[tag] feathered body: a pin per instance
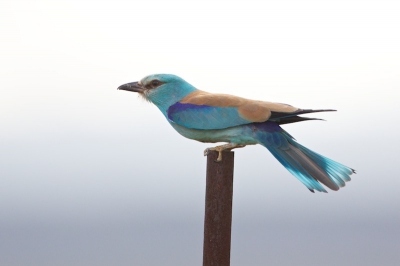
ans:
(209, 117)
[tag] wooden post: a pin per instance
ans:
(218, 210)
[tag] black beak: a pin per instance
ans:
(133, 86)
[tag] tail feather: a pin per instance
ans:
(311, 168)
(333, 166)
(297, 170)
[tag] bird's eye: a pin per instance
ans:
(155, 83)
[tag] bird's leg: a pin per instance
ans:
(222, 148)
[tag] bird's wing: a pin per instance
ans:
(202, 110)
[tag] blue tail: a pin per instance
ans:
(309, 167)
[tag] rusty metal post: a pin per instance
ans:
(218, 213)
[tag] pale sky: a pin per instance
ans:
(95, 176)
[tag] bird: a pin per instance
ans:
(211, 117)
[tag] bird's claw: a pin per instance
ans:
(218, 149)
(207, 151)
(222, 148)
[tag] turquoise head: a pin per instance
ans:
(161, 89)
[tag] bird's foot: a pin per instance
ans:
(222, 148)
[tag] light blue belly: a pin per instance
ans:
(240, 134)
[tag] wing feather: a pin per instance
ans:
(204, 116)
(204, 110)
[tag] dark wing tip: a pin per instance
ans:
(307, 111)
(286, 118)
(294, 119)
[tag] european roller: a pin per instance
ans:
(209, 117)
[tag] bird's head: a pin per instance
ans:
(161, 89)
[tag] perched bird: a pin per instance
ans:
(209, 117)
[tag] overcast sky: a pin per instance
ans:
(94, 176)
